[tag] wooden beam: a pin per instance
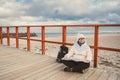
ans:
(1, 35)
(17, 40)
(8, 36)
(28, 38)
(63, 35)
(96, 32)
(43, 39)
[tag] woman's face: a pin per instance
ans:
(81, 40)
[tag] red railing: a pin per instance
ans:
(64, 29)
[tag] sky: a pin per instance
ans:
(34, 12)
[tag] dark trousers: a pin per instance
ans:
(76, 66)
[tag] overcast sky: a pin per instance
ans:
(24, 12)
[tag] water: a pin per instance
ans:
(53, 32)
(74, 34)
(71, 31)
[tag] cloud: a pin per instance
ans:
(76, 8)
(23, 12)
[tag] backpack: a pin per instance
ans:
(63, 50)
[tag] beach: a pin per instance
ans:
(107, 60)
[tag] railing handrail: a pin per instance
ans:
(70, 25)
(64, 29)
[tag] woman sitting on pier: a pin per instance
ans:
(79, 57)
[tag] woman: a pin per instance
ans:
(79, 57)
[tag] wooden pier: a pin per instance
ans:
(17, 64)
(43, 40)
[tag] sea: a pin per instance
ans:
(74, 34)
(85, 31)
(71, 31)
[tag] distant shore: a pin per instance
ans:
(19, 34)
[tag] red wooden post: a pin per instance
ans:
(0, 35)
(96, 45)
(43, 39)
(17, 40)
(28, 38)
(64, 35)
(8, 36)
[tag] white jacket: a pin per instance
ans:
(79, 53)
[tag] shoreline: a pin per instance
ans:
(70, 34)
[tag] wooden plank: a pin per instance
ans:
(95, 75)
(20, 60)
(20, 66)
(45, 72)
(104, 76)
(52, 73)
(23, 66)
(84, 76)
(118, 76)
(24, 70)
(112, 76)
(13, 66)
(39, 72)
(61, 75)
(28, 71)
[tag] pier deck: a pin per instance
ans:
(17, 64)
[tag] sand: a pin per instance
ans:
(107, 60)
